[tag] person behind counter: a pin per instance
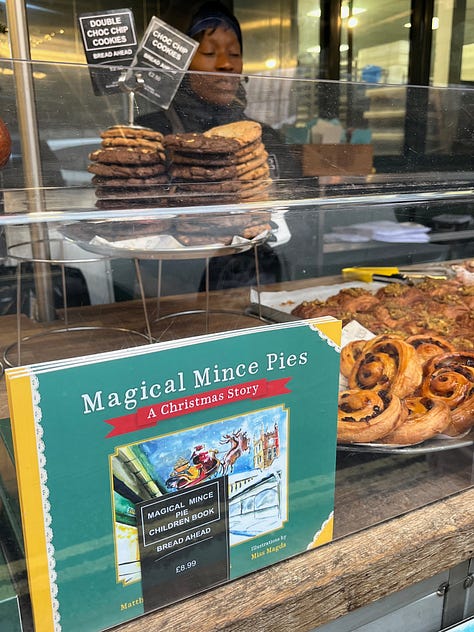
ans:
(205, 101)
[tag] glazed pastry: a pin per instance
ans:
(364, 416)
(438, 307)
(354, 299)
(424, 418)
(428, 346)
(387, 362)
(450, 378)
(400, 294)
(349, 355)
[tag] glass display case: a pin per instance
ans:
(106, 254)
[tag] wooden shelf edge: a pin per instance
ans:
(321, 585)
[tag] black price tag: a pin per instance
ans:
(184, 543)
(169, 52)
(109, 39)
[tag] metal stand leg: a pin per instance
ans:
(207, 294)
(206, 309)
(18, 311)
(62, 263)
(63, 284)
(257, 279)
(158, 290)
(142, 296)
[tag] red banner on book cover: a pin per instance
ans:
(149, 416)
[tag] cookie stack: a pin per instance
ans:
(129, 168)
(226, 164)
(215, 228)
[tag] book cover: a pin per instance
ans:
(10, 524)
(151, 474)
(10, 618)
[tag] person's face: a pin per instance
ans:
(219, 51)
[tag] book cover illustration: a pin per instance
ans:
(149, 475)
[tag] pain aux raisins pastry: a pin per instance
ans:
(423, 419)
(428, 346)
(350, 353)
(387, 362)
(366, 415)
(449, 378)
(439, 400)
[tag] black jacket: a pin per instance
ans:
(189, 113)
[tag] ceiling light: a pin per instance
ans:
(352, 22)
(355, 11)
(271, 63)
(434, 24)
(316, 13)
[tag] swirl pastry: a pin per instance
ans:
(428, 345)
(349, 355)
(353, 299)
(387, 362)
(424, 418)
(365, 416)
(450, 378)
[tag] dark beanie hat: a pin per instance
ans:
(211, 15)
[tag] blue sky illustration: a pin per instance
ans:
(163, 452)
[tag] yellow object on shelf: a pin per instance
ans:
(393, 274)
(366, 273)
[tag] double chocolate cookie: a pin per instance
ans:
(226, 164)
(206, 228)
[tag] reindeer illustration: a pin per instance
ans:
(239, 443)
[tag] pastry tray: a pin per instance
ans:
(277, 306)
(437, 444)
(137, 240)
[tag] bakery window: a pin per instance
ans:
(235, 225)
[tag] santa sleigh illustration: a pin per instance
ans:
(204, 464)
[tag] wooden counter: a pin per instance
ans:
(321, 585)
(399, 519)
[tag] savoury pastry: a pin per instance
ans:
(366, 415)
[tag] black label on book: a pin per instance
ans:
(109, 39)
(184, 543)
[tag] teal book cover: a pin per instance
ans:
(151, 474)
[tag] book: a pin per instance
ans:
(10, 524)
(10, 617)
(150, 474)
